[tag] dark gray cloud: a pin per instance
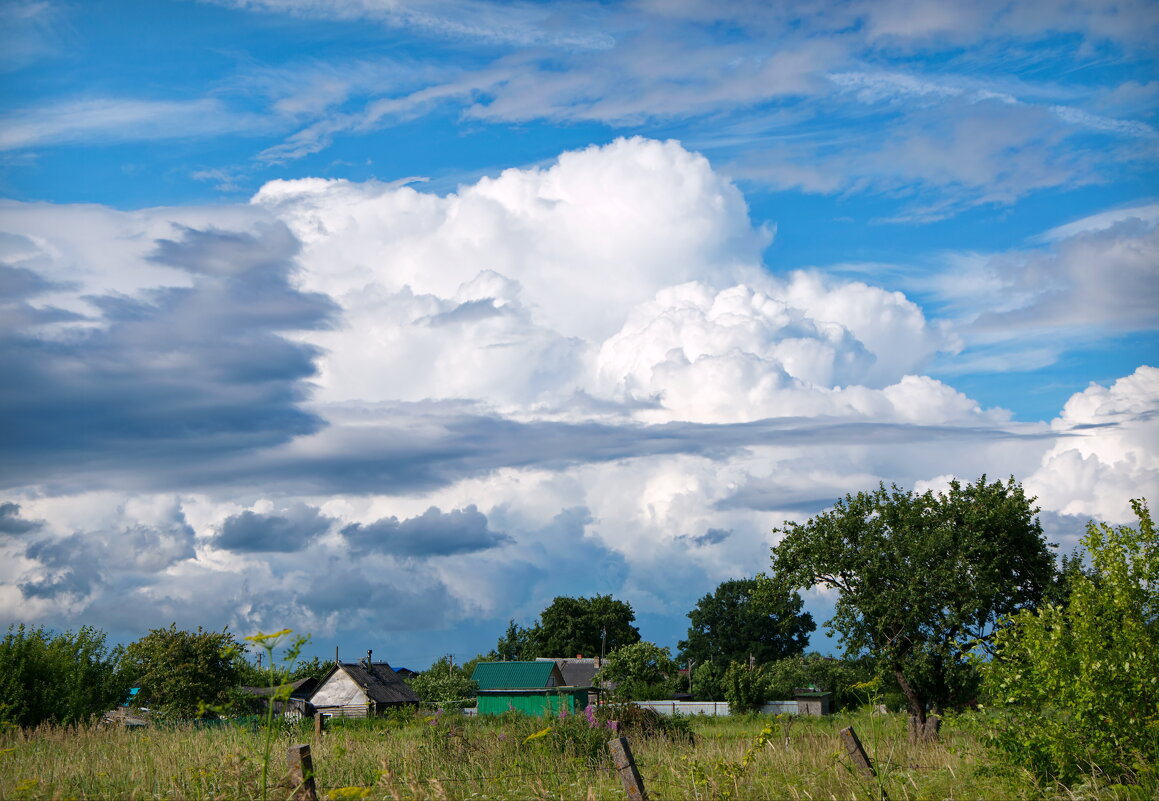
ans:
(433, 533)
(12, 523)
(68, 566)
(168, 377)
(292, 530)
(424, 446)
(712, 536)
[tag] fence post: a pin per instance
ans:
(626, 767)
(301, 774)
(856, 752)
(319, 725)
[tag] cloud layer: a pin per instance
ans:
(572, 378)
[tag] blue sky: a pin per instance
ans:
(390, 321)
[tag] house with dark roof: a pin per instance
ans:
(577, 672)
(361, 689)
(533, 688)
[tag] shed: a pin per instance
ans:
(361, 689)
(811, 701)
(534, 688)
(291, 699)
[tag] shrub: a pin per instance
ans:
(57, 678)
(1078, 684)
(746, 687)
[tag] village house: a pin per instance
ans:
(534, 688)
(361, 689)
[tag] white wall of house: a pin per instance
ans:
(338, 690)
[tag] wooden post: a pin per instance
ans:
(319, 725)
(626, 767)
(301, 778)
(856, 752)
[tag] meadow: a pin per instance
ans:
(417, 756)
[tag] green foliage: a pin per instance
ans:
(924, 579)
(746, 687)
(743, 618)
(269, 643)
(58, 678)
(708, 682)
(642, 671)
(1078, 685)
(184, 674)
(445, 685)
(845, 678)
(515, 645)
(571, 626)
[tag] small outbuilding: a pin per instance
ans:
(361, 689)
(811, 701)
(291, 700)
(533, 688)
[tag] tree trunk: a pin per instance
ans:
(922, 728)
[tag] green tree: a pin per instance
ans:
(516, 644)
(571, 626)
(1078, 684)
(746, 686)
(445, 685)
(184, 674)
(708, 681)
(642, 671)
(923, 579)
(68, 677)
(842, 677)
(743, 618)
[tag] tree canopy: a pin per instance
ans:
(744, 618)
(922, 579)
(641, 671)
(184, 674)
(67, 677)
(570, 626)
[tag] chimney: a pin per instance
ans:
(369, 659)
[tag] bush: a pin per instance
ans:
(845, 678)
(444, 686)
(1077, 686)
(630, 721)
(57, 678)
(746, 688)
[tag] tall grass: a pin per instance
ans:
(453, 757)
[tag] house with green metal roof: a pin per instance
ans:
(533, 688)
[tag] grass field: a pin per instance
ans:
(451, 757)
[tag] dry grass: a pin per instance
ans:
(453, 758)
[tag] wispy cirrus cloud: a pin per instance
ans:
(101, 120)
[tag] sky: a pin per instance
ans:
(389, 321)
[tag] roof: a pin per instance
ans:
(380, 683)
(517, 675)
(302, 688)
(576, 672)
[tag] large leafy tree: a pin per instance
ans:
(743, 618)
(1077, 682)
(67, 677)
(446, 685)
(922, 579)
(641, 671)
(571, 626)
(184, 674)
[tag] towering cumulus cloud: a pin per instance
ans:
(344, 398)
